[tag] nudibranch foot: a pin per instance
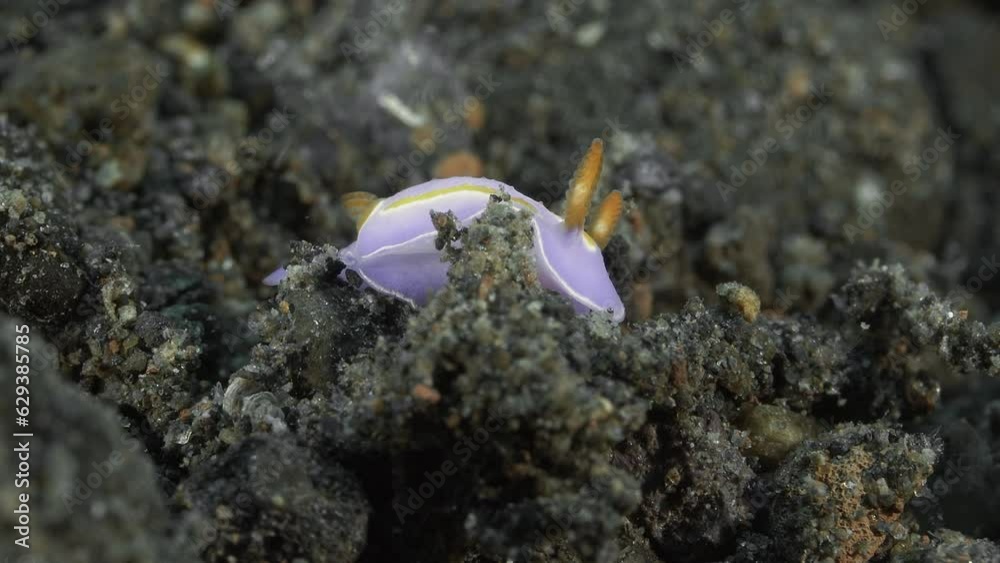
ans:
(275, 277)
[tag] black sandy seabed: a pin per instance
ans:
(809, 258)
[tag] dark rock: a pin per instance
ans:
(267, 498)
(93, 492)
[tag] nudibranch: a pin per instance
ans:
(395, 253)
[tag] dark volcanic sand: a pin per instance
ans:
(808, 370)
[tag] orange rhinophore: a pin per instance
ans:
(581, 188)
(608, 215)
(359, 205)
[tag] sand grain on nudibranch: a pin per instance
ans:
(395, 253)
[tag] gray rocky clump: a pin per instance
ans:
(807, 256)
(93, 491)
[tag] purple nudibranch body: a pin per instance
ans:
(395, 252)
